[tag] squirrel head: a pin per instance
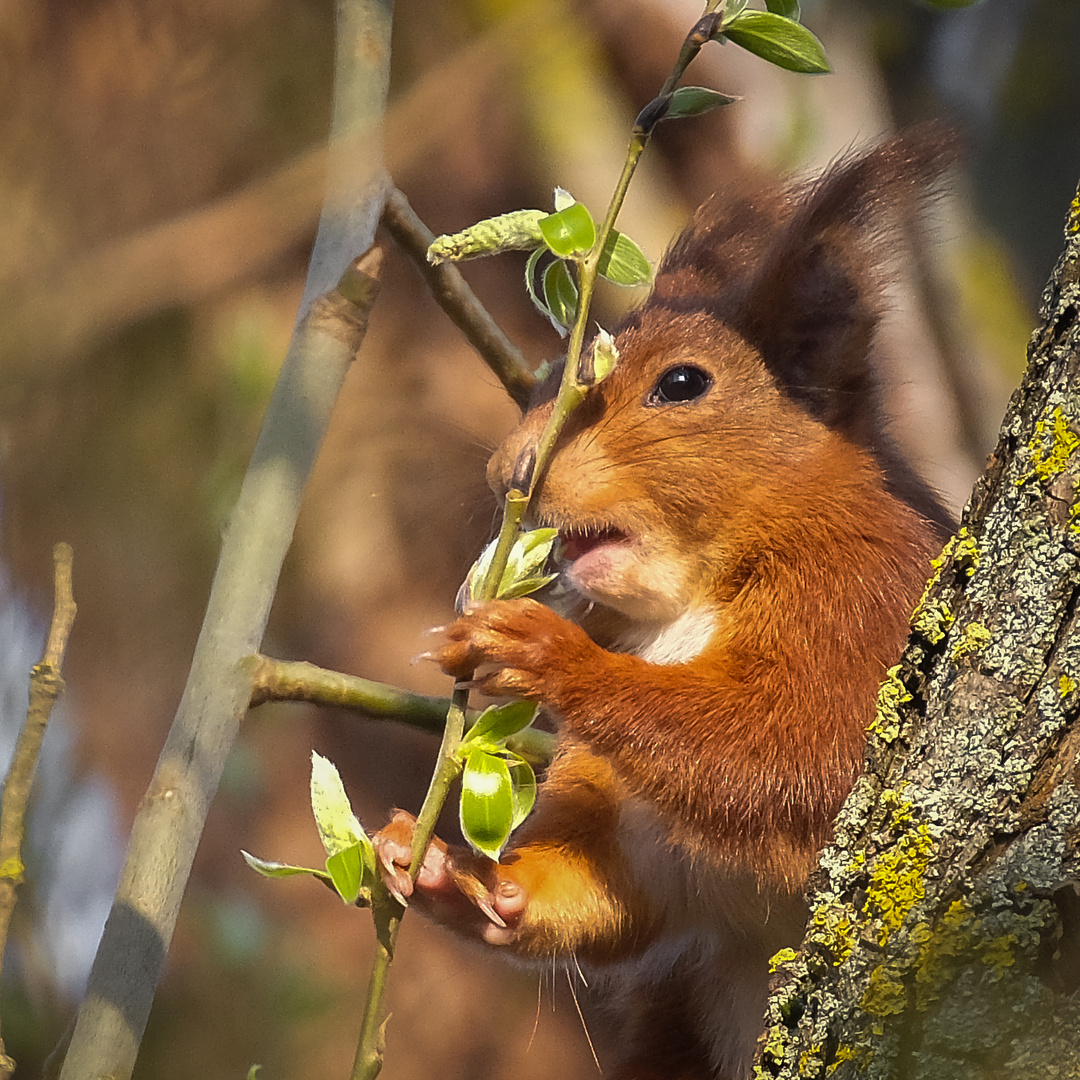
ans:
(742, 416)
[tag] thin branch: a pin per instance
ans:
(166, 831)
(571, 394)
(293, 680)
(46, 685)
(297, 680)
(453, 295)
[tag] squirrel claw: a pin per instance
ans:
(395, 892)
(486, 907)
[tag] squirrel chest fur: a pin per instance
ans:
(747, 547)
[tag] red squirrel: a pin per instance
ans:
(748, 547)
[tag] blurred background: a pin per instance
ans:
(160, 178)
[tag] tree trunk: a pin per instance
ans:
(944, 937)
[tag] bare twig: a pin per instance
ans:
(46, 685)
(453, 295)
(167, 829)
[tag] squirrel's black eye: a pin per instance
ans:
(682, 383)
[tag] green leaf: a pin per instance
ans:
(569, 232)
(695, 100)
(530, 282)
(563, 199)
(487, 802)
(605, 356)
(527, 586)
(528, 554)
(516, 231)
(523, 781)
(334, 818)
(281, 870)
(253, 1072)
(346, 870)
(561, 295)
(734, 9)
(532, 548)
(788, 8)
(623, 262)
(781, 41)
(498, 722)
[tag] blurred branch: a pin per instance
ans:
(178, 261)
(212, 247)
(453, 295)
(46, 685)
(170, 820)
(292, 680)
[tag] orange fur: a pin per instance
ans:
(753, 551)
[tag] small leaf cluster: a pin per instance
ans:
(564, 238)
(350, 857)
(498, 786)
(523, 573)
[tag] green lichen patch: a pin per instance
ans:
(965, 552)
(885, 994)
(832, 931)
(975, 636)
(777, 960)
(961, 552)
(896, 882)
(860, 1056)
(811, 1061)
(932, 620)
(1051, 447)
(1074, 517)
(942, 949)
(892, 694)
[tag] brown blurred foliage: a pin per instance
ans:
(160, 180)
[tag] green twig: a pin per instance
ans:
(46, 685)
(573, 386)
(292, 680)
(387, 913)
(527, 473)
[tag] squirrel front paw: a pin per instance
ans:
(528, 645)
(463, 891)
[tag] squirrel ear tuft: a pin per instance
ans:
(815, 297)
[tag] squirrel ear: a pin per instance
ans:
(814, 300)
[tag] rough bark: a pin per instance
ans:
(944, 938)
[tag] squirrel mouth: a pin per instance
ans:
(575, 544)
